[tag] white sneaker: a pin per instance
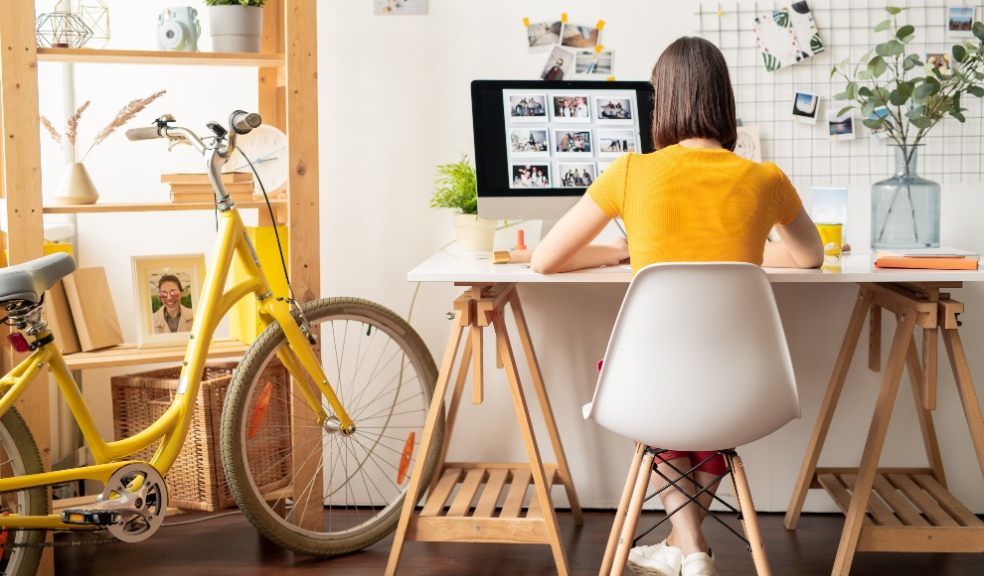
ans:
(655, 560)
(698, 564)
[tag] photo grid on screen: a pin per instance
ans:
(566, 138)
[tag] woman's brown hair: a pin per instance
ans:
(693, 95)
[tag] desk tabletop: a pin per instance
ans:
(446, 266)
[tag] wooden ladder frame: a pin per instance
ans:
(488, 505)
(898, 509)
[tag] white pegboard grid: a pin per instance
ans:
(952, 151)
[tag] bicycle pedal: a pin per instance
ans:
(86, 517)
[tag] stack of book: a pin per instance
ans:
(931, 258)
(197, 188)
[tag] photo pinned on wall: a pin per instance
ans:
(805, 107)
(527, 107)
(874, 122)
(570, 108)
(748, 145)
(399, 7)
(841, 127)
(960, 20)
(787, 36)
(614, 110)
(559, 65)
(612, 143)
(578, 36)
(572, 142)
(575, 175)
(542, 35)
(529, 176)
(531, 142)
(939, 61)
(166, 291)
(591, 63)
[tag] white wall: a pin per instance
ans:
(394, 102)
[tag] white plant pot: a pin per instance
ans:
(474, 234)
(76, 186)
(235, 28)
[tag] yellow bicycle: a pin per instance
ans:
(318, 462)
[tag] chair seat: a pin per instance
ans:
(28, 281)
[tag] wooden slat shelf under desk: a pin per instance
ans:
(129, 355)
(101, 56)
(152, 207)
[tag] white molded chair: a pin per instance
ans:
(697, 361)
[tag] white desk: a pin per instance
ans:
(913, 511)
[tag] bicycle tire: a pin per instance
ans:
(18, 457)
(362, 459)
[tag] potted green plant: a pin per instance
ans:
(236, 25)
(902, 98)
(456, 187)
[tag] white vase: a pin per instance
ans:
(235, 28)
(474, 234)
(76, 186)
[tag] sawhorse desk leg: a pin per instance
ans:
(474, 513)
(912, 510)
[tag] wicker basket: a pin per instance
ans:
(196, 480)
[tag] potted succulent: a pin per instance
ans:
(901, 98)
(455, 187)
(236, 25)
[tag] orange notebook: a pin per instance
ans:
(928, 262)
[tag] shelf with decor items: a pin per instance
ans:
(287, 96)
(102, 56)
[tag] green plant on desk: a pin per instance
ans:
(900, 95)
(456, 187)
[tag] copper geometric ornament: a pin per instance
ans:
(62, 30)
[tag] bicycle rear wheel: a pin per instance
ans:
(353, 493)
(21, 550)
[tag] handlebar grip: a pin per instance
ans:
(148, 133)
(243, 122)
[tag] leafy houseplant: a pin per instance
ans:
(456, 187)
(904, 98)
(235, 25)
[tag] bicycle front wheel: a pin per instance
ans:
(318, 491)
(19, 457)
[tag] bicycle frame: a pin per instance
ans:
(172, 426)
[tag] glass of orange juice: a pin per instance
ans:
(831, 234)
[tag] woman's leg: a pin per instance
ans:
(686, 533)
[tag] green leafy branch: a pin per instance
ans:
(456, 187)
(885, 78)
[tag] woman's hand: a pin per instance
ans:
(621, 246)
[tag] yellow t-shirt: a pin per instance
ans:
(684, 204)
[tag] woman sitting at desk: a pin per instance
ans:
(692, 199)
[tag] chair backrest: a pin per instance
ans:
(697, 359)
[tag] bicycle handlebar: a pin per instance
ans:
(148, 133)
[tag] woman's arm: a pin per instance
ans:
(567, 247)
(799, 246)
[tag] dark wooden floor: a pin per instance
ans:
(230, 546)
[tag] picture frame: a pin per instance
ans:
(960, 20)
(806, 107)
(182, 276)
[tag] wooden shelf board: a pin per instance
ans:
(100, 56)
(150, 207)
(129, 355)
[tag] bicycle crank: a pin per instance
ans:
(131, 507)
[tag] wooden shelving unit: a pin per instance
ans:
(129, 355)
(153, 207)
(91, 56)
(287, 95)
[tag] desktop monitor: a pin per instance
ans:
(539, 145)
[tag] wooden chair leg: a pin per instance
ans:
(749, 519)
(623, 505)
(628, 528)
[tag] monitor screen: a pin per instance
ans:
(552, 139)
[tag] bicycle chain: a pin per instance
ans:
(73, 542)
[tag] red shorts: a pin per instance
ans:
(715, 465)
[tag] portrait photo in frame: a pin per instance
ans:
(166, 291)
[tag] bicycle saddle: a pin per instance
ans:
(29, 280)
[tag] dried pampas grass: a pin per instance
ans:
(51, 129)
(126, 114)
(73, 124)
